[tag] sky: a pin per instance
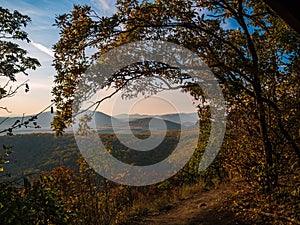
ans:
(43, 36)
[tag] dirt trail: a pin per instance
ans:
(202, 209)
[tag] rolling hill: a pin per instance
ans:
(155, 124)
(33, 153)
(104, 122)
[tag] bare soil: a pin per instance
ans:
(204, 208)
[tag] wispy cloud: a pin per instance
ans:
(42, 48)
(105, 7)
(104, 4)
(44, 35)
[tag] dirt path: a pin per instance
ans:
(202, 209)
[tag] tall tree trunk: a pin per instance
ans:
(271, 174)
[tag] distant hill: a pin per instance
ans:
(104, 122)
(156, 124)
(184, 117)
(33, 153)
(43, 122)
(131, 116)
(35, 150)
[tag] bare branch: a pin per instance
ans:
(25, 123)
(12, 91)
(6, 109)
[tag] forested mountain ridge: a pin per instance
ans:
(103, 122)
(37, 152)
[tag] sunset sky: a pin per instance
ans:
(43, 35)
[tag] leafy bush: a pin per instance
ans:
(32, 204)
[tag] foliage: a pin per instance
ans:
(14, 59)
(80, 196)
(33, 204)
(255, 57)
(49, 152)
(86, 197)
(6, 152)
(34, 153)
(251, 51)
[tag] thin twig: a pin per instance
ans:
(23, 123)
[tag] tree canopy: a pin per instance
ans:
(253, 53)
(14, 59)
(254, 56)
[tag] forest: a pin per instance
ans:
(252, 54)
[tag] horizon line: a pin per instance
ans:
(141, 114)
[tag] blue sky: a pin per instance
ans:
(43, 35)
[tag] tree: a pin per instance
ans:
(251, 51)
(13, 59)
